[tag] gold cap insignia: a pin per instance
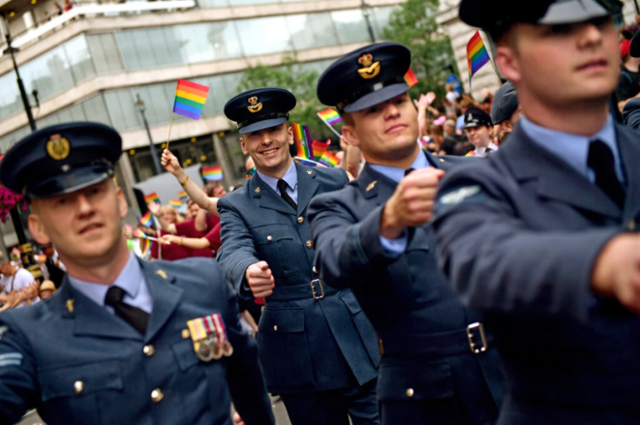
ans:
(372, 185)
(369, 68)
(254, 106)
(58, 147)
(162, 274)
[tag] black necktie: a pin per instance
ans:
(488, 150)
(282, 186)
(130, 314)
(601, 161)
(408, 171)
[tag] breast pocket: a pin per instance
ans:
(275, 244)
(284, 351)
(75, 392)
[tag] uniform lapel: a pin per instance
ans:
(555, 179)
(166, 297)
(630, 153)
(374, 186)
(90, 319)
(267, 197)
(307, 186)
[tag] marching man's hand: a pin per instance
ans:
(260, 279)
(237, 420)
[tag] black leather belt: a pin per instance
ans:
(315, 289)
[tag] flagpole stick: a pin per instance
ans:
(330, 128)
(496, 71)
(170, 125)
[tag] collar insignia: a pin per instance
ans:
(257, 190)
(254, 105)
(371, 185)
(69, 305)
(58, 147)
(162, 274)
(370, 69)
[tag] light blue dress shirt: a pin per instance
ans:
(395, 247)
(291, 177)
(131, 280)
(574, 149)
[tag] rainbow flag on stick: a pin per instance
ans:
(212, 173)
(190, 99)
(477, 55)
(152, 197)
(146, 220)
(329, 159)
(145, 244)
(319, 148)
(183, 196)
(410, 78)
(303, 140)
(175, 203)
(330, 117)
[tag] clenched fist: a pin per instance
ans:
(260, 279)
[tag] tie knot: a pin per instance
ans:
(599, 154)
(114, 295)
(408, 171)
(282, 186)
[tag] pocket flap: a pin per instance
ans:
(432, 380)
(185, 354)
(279, 320)
(79, 380)
(351, 302)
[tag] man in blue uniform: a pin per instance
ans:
(317, 348)
(437, 366)
(123, 340)
(542, 235)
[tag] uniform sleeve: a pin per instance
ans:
(345, 248)
(624, 89)
(18, 385)
(244, 373)
(499, 264)
(237, 251)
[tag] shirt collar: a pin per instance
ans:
(572, 148)
(291, 177)
(129, 280)
(396, 174)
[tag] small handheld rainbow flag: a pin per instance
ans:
(138, 233)
(303, 140)
(175, 203)
(146, 219)
(330, 116)
(152, 197)
(319, 148)
(329, 159)
(308, 162)
(477, 55)
(145, 244)
(410, 78)
(212, 173)
(190, 99)
(183, 196)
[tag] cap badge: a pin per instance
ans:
(470, 118)
(58, 147)
(254, 106)
(369, 68)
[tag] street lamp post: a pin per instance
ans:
(154, 154)
(366, 12)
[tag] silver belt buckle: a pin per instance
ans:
(475, 348)
(313, 289)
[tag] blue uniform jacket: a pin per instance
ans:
(79, 364)
(518, 235)
(305, 344)
(407, 299)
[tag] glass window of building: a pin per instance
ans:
(49, 74)
(105, 53)
(245, 2)
(96, 110)
(209, 42)
(79, 59)
(380, 19)
(122, 111)
(157, 105)
(10, 101)
(213, 3)
(350, 25)
(313, 30)
(264, 35)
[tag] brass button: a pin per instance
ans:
(269, 238)
(300, 220)
(631, 226)
(275, 327)
(315, 270)
(148, 350)
(185, 334)
(410, 392)
(78, 386)
(309, 244)
(157, 395)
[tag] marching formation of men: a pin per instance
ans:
(502, 289)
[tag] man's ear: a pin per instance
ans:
(36, 227)
(508, 63)
(350, 135)
(290, 132)
(123, 208)
(507, 126)
(244, 149)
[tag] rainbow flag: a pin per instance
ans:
(175, 203)
(329, 159)
(190, 99)
(183, 196)
(146, 220)
(319, 148)
(410, 78)
(152, 197)
(138, 233)
(330, 116)
(307, 162)
(145, 244)
(303, 140)
(212, 173)
(477, 55)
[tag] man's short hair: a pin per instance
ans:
(210, 188)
